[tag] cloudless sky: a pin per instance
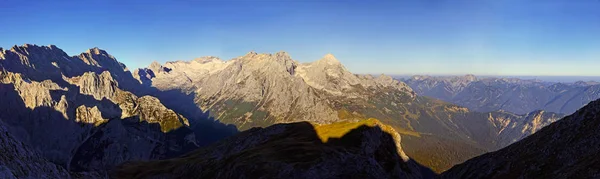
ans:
(483, 37)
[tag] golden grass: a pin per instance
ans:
(344, 114)
(339, 129)
(408, 132)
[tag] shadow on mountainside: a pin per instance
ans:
(207, 129)
(79, 146)
(292, 150)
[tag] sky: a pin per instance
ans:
(435, 37)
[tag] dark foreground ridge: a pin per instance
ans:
(292, 150)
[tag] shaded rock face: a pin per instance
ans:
(286, 151)
(75, 112)
(509, 94)
(19, 161)
(128, 139)
(567, 148)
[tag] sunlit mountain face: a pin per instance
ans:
(299, 89)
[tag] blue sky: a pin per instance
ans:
(482, 37)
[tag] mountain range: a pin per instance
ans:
(508, 94)
(258, 90)
(82, 116)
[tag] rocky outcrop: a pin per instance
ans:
(294, 150)
(508, 94)
(567, 148)
(152, 111)
(515, 128)
(89, 115)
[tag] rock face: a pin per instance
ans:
(294, 150)
(567, 148)
(76, 112)
(509, 94)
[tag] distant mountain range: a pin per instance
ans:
(508, 94)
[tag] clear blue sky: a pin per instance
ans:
(484, 37)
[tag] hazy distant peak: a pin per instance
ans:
(470, 77)
(586, 83)
(251, 53)
(420, 77)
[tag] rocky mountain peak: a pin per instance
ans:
(96, 51)
(100, 58)
(33, 49)
(155, 66)
(330, 60)
(251, 53)
(283, 54)
(208, 59)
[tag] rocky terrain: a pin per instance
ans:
(365, 149)
(88, 113)
(19, 161)
(258, 90)
(508, 94)
(72, 111)
(565, 149)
